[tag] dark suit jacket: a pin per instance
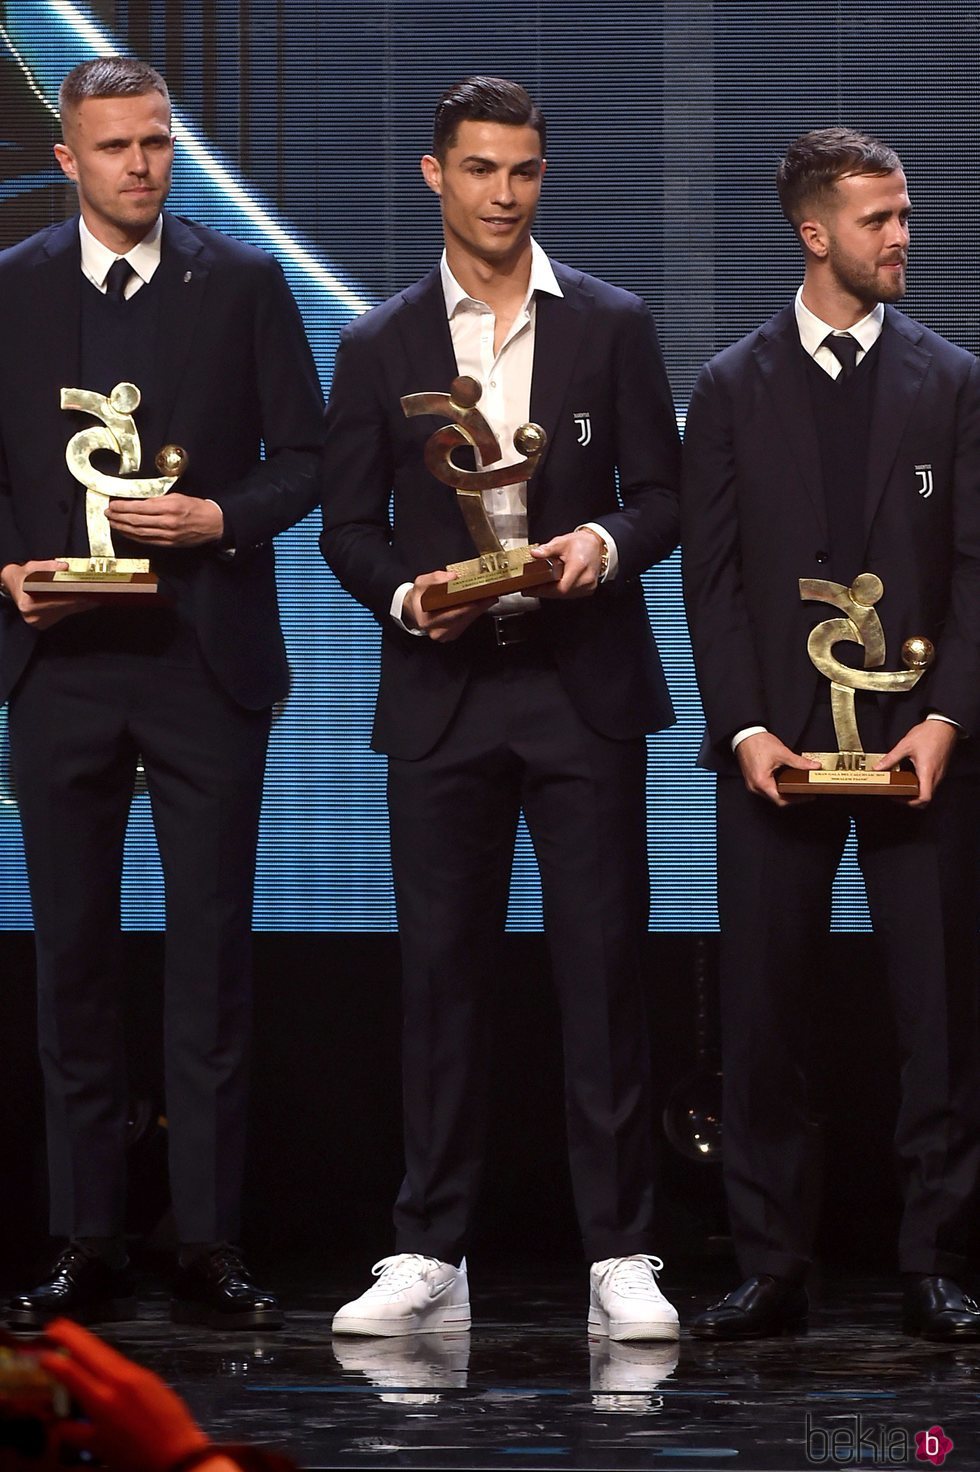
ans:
(595, 352)
(238, 373)
(755, 521)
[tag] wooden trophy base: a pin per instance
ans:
(121, 584)
(845, 774)
(492, 576)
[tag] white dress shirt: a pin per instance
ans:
(144, 258)
(813, 332)
(505, 376)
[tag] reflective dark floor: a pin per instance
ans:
(526, 1388)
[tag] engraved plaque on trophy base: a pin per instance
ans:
(105, 578)
(491, 576)
(846, 773)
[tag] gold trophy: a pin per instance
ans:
(497, 570)
(103, 573)
(850, 768)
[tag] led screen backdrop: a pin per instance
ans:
(300, 124)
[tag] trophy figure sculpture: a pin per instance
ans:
(850, 768)
(497, 570)
(102, 572)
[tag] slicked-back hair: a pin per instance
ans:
(108, 76)
(484, 100)
(815, 161)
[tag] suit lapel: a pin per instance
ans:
(559, 327)
(183, 274)
(427, 342)
(902, 365)
(52, 305)
(781, 362)
(50, 313)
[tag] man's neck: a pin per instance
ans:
(501, 284)
(832, 303)
(119, 241)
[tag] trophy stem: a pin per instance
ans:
(478, 523)
(845, 721)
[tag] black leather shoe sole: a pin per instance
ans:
(748, 1331)
(106, 1311)
(185, 1311)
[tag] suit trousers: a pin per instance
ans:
(516, 743)
(79, 720)
(775, 873)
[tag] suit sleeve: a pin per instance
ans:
(12, 547)
(955, 684)
(283, 487)
(357, 475)
(647, 450)
(725, 658)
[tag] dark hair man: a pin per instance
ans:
(840, 438)
(485, 709)
(207, 330)
(485, 100)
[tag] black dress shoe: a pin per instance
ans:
(83, 1287)
(216, 1290)
(937, 1308)
(760, 1307)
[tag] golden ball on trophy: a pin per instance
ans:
(530, 439)
(917, 653)
(171, 460)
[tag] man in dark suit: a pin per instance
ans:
(841, 438)
(208, 331)
(488, 708)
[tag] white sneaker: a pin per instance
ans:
(625, 1302)
(413, 1295)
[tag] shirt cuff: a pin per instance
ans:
(947, 720)
(612, 562)
(746, 731)
(397, 604)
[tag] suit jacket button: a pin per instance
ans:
(823, 556)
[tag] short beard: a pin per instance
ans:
(864, 283)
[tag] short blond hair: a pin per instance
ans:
(108, 76)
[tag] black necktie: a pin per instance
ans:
(117, 278)
(845, 349)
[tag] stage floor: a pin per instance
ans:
(526, 1388)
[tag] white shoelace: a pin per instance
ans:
(401, 1270)
(633, 1276)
